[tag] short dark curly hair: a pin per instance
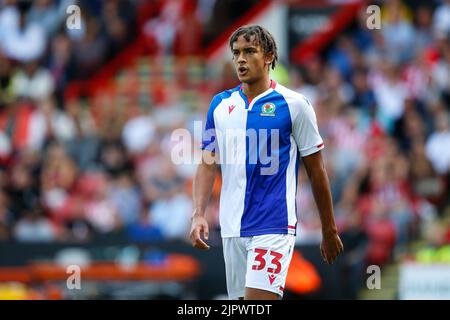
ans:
(262, 37)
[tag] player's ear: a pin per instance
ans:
(268, 58)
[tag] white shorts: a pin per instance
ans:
(260, 262)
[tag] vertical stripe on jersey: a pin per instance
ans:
(233, 174)
(265, 207)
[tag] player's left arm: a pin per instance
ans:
(331, 245)
(306, 134)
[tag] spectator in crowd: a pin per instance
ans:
(441, 20)
(21, 41)
(436, 153)
(398, 32)
(34, 227)
(390, 93)
(440, 74)
(171, 214)
(58, 177)
(100, 210)
(125, 196)
(84, 144)
(90, 50)
(33, 82)
(47, 123)
(118, 19)
(142, 230)
(424, 27)
(50, 14)
(61, 64)
(7, 92)
(6, 217)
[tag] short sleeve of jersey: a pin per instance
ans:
(305, 129)
(209, 139)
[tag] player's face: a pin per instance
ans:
(249, 60)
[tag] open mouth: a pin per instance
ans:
(242, 71)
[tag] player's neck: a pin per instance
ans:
(251, 90)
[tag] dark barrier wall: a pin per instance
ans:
(210, 283)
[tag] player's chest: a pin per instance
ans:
(265, 113)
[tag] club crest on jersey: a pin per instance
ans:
(268, 109)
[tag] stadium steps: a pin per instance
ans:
(147, 75)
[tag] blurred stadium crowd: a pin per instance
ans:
(382, 99)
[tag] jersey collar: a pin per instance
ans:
(250, 102)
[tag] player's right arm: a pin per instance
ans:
(202, 188)
(204, 179)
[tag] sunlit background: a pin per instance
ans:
(88, 106)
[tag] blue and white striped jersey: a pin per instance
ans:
(259, 143)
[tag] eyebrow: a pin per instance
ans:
(245, 48)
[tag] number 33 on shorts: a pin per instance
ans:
(260, 258)
(267, 268)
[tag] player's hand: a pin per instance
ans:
(199, 225)
(331, 246)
